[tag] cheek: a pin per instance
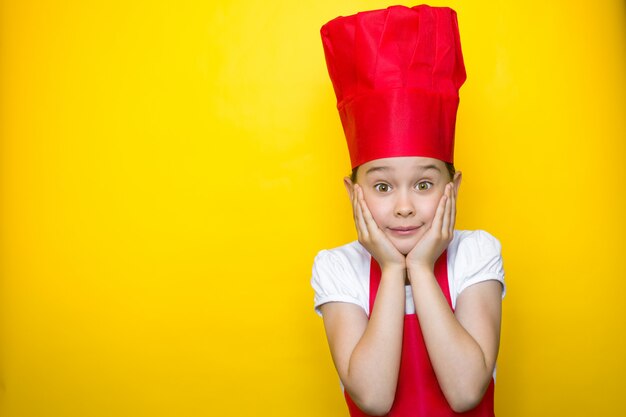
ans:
(377, 208)
(430, 206)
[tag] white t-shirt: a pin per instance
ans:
(343, 273)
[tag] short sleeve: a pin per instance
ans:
(479, 258)
(334, 279)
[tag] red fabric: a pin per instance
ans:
(396, 73)
(418, 393)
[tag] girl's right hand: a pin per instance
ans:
(371, 236)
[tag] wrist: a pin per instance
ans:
(420, 270)
(393, 268)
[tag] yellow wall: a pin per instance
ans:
(169, 170)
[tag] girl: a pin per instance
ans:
(412, 309)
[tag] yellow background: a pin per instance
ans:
(170, 169)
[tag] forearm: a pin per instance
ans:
(373, 368)
(457, 358)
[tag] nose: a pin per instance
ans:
(404, 205)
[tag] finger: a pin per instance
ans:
(453, 214)
(367, 218)
(353, 201)
(355, 212)
(438, 219)
(360, 221)
(354, 204)
(445, 226)
(367, 214)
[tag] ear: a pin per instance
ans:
(347, 182)
(458, 176)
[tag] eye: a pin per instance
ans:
(424, 185)
(382, 187)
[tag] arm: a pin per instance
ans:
(462, 346)
(366, 352)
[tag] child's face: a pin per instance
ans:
(402, 193)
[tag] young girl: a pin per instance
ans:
(412, 309)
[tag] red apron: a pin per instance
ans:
(418, 393)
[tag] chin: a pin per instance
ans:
(404, 247)
(406, 251)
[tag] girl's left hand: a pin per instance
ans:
(438, 236)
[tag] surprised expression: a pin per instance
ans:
(403, 193)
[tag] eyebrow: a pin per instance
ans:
(375, 169)
(427, 167)
(387, 168)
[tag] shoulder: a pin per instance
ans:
(349, 254)
(342, 274)
(474, 256)
(474, 244)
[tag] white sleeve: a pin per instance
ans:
(479, 258)
(334, 279)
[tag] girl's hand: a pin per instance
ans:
(438, 236)
(371, 236)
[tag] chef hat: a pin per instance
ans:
(396, 73)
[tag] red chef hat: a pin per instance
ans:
(396, 74)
